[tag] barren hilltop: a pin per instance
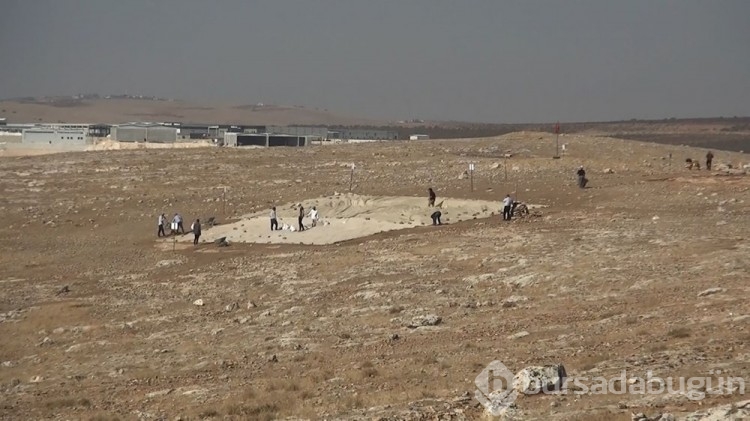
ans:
(642, 272)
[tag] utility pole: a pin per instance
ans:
(557, 141)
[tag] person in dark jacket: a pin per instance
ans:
(436, 217)
(196, 231)
(582, 177)
(301, 217)
(709, 158)
(431, 201)
(274, 221)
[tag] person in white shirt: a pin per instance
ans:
(177, 224)
(314, 216)
(507, 206)
(162, 221)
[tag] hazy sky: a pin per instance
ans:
(476, 60)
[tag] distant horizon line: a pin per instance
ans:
(93, 96)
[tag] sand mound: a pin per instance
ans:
(111, 145)
(345, 217)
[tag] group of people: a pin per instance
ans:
(313, 214)
(509, 206)
(177, 227)
(690, 164)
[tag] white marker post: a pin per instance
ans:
(471, 175)
(351, 178)
(224, 202)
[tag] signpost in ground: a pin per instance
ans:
(557, 141)
(471, 175)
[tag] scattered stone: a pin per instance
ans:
(36, 379)
(426, 320)
(198, 302)
(63, 290)
(513, 300)
(273, 359)
(251, 304)
(46, 341)
(519, 335)
(158, 393)
(711, 291)
(658, 417)
(231, 307)
(168, 262)
(537, 379)
(608, 171)
(735, 411)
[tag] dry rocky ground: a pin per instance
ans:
(645, 270)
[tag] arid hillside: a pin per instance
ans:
(645, 271)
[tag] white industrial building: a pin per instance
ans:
(419, 137)
(56, 135)
(144, 132)
(264, 140)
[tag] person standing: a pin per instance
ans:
(431, 201)
(709, 158)
(582, 177)
(274, 221)
(196, 231)
(314, 216)
(180, 227)
(162, 221)
(507, 205)
(301, 217)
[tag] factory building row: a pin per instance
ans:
(230, 135)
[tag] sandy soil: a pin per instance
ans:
(111, 145)
(18, 150)
(646, 270)
(348, 216)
